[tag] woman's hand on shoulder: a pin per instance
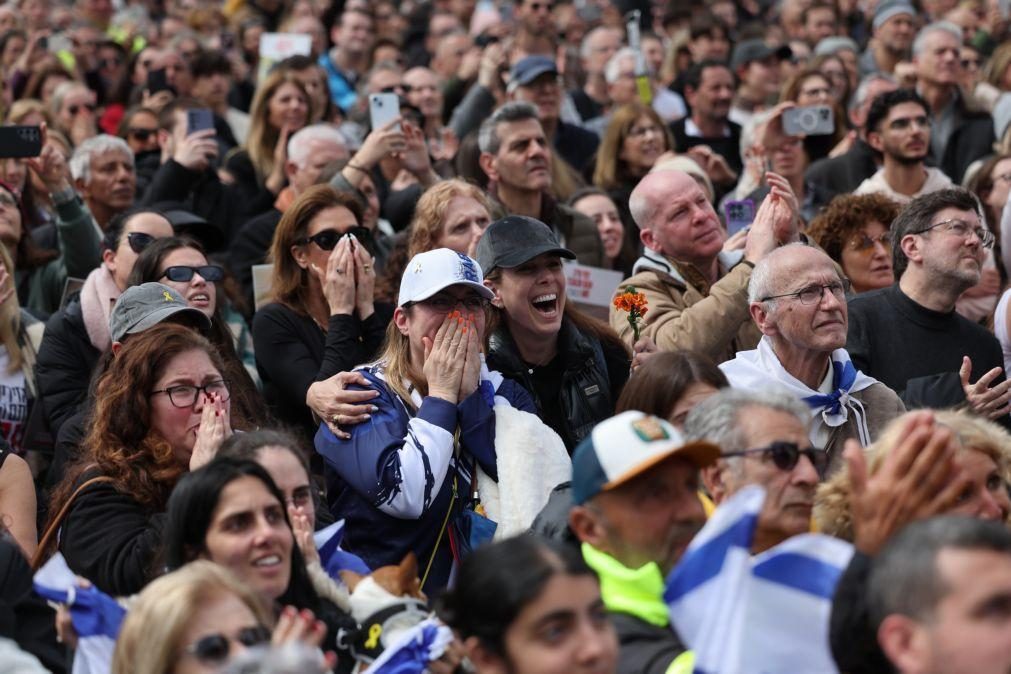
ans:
(335, 405)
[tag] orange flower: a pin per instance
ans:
(634, 303)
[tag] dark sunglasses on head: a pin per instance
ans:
(329, 238)
(211, 273)
(213, 649)
(141, 134)
(138, 241)
(786, 455)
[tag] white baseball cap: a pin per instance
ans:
(429, 272)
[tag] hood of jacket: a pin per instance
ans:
(651, 260)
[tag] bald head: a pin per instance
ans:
(652, 191)
(775, 270)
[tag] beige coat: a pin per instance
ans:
(685, 316)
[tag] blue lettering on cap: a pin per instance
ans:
(468, 269)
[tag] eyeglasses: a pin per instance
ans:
(213, 649)
(138, 241)
(962, 229)
(970, 63)
(186, 395)
(814, 294)
(74, 109)
(329, 238)
(863, 243)
(786, 455)
(443, 304)
(141, 134)
(211, 273)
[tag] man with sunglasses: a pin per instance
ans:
(764, 440)
(909, 336)
(797, 298)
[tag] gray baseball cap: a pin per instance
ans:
(756, 50)
(515, 239)
(144, 306)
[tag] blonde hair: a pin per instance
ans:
(431, 209)
(150, 639)
(832, 502)
(262, 137)
(10, 316)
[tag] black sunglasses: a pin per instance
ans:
(141, 134)
(74, 109)
(211, 273)
(786, 455)
(138, 241)
(329, 238)
(214, 648)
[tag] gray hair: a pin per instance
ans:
(920, 43)
(641, 207)
(300, 142)
(835, 44)
(612, 70)
(859, 96)
(764, 276)
(80, 161)
(584, 46)
(514, 111)
(904, 578)
(716, 418)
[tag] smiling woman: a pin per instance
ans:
(574, 366)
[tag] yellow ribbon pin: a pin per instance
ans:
(167, 295)
(374, 633)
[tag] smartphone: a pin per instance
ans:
(382, 109)
(811, 120)
(157, 80)
(227, 41)
(739, 214)
(20, 141)
(198, 119)
(43, 43)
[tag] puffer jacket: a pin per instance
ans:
(684, 314)
(592, 381)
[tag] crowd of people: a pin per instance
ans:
(241, 310)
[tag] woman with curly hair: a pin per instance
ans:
(161, 409)
(854, 231)
(982, 456)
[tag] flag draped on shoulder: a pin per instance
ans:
(96, 616)
(332, 557)
(751, 615)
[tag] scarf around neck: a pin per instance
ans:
(97, 297)
(753, 370)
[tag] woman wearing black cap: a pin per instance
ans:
(574, 365)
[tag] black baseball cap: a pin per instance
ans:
(515, 239)
(756, 50)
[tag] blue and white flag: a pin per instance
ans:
(332, 557)
(413, 650)
(96, 616)
(751, 615)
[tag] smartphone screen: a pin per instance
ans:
(198, 119)
(739, 214)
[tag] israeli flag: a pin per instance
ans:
(413, 650)
(751, 615)
(96, 616)
(332, 557)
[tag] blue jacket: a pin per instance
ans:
(393, 481)
(342, 92)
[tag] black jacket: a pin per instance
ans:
(592, 376)
(843, 174)
(25, 617)
(292, 352)
(65, 363)
(111, 539)
(250, 246)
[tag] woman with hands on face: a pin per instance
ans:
(323, 318)
(404, 480)
(162, 408)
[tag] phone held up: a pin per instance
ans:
(20, 142)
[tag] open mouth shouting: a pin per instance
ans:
(546, 305)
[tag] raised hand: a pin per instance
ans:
(338, 279)
(215, 426)
(989, 401)
(197, 149)
(445, 358)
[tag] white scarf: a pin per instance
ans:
(754, 370)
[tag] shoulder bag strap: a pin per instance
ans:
(42, 551)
